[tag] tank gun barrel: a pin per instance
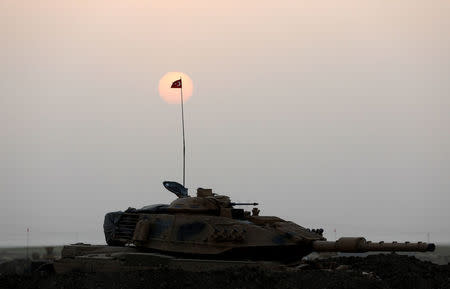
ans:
(360, 245)
(244, 204)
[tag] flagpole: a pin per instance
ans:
(184, 141)
(28, 241)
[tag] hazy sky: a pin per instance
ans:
(332, 114)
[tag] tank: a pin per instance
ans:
(211, 226)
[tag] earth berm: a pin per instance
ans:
(374, 271)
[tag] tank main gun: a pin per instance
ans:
(361, 245)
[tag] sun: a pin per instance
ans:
(172, 95)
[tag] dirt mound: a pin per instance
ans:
(376, 271)
(17, 266)
(397, 271)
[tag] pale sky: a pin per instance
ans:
(332, 114)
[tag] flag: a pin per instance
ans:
(176, 84)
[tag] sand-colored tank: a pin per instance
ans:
(211, 226)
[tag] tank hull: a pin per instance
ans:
(256, 238)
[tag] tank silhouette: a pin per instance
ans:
(210, 226)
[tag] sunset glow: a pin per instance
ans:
(172, 95)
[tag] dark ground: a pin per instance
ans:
(375, 271)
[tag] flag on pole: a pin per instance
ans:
(176, 84)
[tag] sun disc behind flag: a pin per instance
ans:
(170, 95)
